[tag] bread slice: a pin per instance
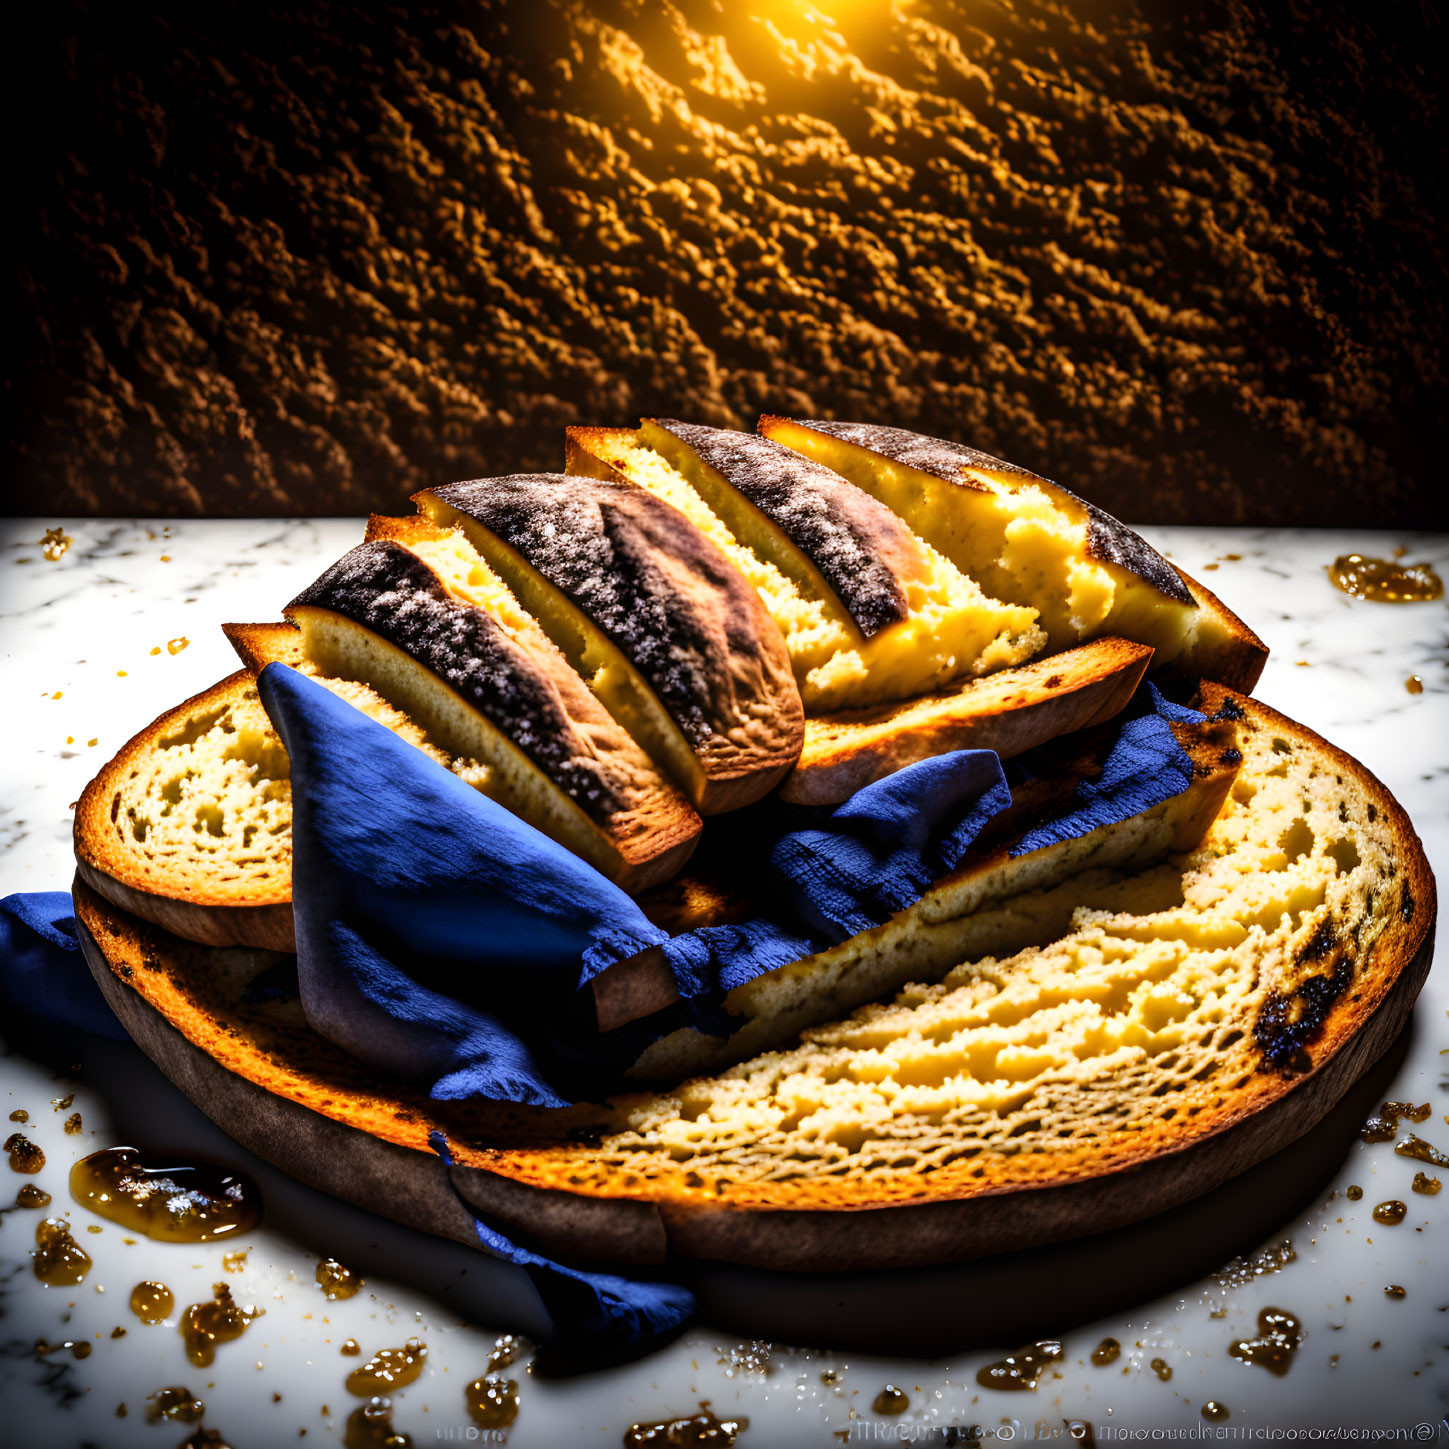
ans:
(1033, 542)
(868, 611)
(677, 646)
(1191, 1020)
(1010, 712)
(969, 913)
(190, 825)
(484, 682)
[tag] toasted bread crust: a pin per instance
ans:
(269, 1090)
(1010, 712)
(201, 906)
(637, 581)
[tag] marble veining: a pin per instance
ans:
(87, 659)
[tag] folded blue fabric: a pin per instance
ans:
(42, 971)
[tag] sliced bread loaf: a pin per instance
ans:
(1033, 542)
(869, 612)
(420, 619)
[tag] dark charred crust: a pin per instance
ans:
(1108, 539)
(848, 535)
(1319, 944)
(1288, 1021)
(607, 546)
(390, 591)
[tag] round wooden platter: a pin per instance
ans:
(247, 1058)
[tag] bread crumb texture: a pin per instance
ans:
(948, 630)
(308, 259)
(1173, 995)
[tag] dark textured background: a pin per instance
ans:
(309, 257)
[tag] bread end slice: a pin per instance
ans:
(189, 826)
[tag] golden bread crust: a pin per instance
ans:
(202, 1037)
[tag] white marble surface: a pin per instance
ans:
(80, 677)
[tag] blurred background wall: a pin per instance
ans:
(1188, 259)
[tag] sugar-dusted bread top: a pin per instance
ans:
(673, 640)
(485, 682)
(864, 554)
(1032, 541)
(1154, 1009)
(902, 621)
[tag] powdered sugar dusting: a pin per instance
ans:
(392, 592)
(605, 546)
(846, 534)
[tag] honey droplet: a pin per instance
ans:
(1020, 1370)
(1214, 1411)
(1395, 1291)
(1414, 684)
(1279, 1334)
(337, 1280)
(173, 1403)
(694, 1432)
(1429, 1186)
(25, 1156)
(60, 1261)
(55, 543)
(234, 1262)
(351, 1348)
(492, 1401)
(1162, 1369)
(389, 1368)
(62, 1104)
(506, 1348)
(152, 1302)
(20, 1115)
(1383, 581)
(155, 649)
(1108, 1351)
(1390, 1213)
(33, 1196)
(173, 1203)
(370, 1427)
(202, 1438)
(175, 646)
(77, 1348)
(91, 744)
(829, 1376)
(891, 1401)
(204, 1325)
(1415, 1147)
(73, 1124)
(118, 1332)
(1354, 1193)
